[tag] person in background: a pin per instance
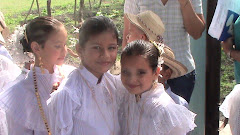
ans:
(149, 27)
(171, 68)
(181, 19)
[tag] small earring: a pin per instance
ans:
(41, 65)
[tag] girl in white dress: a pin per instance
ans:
(25, 102)
(147, 109)
(85, 103)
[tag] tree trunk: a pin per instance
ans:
(100, 3)
(81, 11)
(49, 7)
(29, 12)
(39, 14)
(90, 4)
(75, 8)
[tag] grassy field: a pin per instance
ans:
(15, 12)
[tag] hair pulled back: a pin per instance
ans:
(142, 48)
(94, 26)
(39, 30)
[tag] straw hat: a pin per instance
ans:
(149, 23)
(169, 59)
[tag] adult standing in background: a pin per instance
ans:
(181, 19)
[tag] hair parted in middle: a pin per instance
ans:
(145, 49)
(94, 26)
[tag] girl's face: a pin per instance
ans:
(99, 53)
(137, 75)
(55, 48)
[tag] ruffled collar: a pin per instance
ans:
(155, 91)
(89, 76)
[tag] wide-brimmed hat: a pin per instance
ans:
(169, 59)
(149, 23)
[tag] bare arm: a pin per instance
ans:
(193, 23)
(125, 31)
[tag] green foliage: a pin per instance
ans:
(15, 12)
(227, 76)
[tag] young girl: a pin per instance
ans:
(147, 109)
(85, 103)
(25, 102)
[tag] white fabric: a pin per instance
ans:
(231, 109)
(8, 71)
(4, 52)
(20, 103)
(74, 111)
(177, 99)
(175, 35)
(161, 116)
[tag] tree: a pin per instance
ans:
(81, 11)
(49, 7)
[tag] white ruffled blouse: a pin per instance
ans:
(8, 71)
(74, 110)
(20, 103)
(154, 114)
(231, 109)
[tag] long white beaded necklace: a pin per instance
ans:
(39, 102)
(95, 100)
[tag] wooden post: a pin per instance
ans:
(25, 20)
(81, 11)
(90, 4)
(213, 62)
(38, 8)
(75, 8)
(49, 7)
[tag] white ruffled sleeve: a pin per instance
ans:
(3, 123)
(229, 100)
(172, 119)
(231, 109)
(62, 106)
(8, 71)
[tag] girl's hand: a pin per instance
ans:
(227, 45)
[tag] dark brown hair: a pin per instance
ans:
(94, 26)
(142, 48)
(39, 30)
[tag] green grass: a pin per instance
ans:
(227, 76)
(15, 12)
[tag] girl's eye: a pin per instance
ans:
(97, 47)
(112, 48)
(125, 72)
(57, 46)
(141, 72)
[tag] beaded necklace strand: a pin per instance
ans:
(39, 102)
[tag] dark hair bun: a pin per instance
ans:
(26, 45)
